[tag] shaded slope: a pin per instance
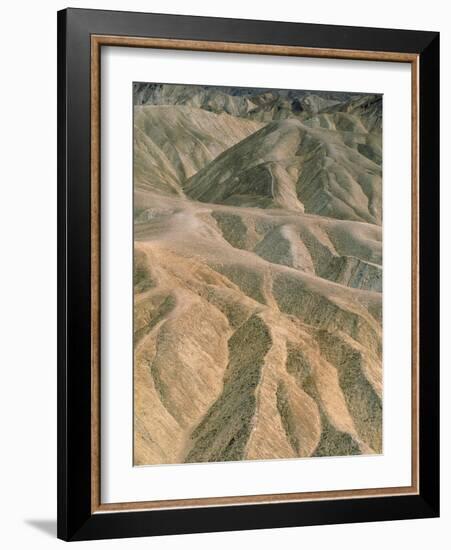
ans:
(289, 165)
(349, 253)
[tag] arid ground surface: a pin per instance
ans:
(257, 274)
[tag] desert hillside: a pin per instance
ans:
(257, 274)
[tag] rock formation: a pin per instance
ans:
(257, 274)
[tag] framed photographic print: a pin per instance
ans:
(248, 274)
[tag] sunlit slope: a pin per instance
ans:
(173, 143)
(246, 357)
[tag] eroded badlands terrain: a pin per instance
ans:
(257, 274)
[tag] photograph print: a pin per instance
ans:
(257, 276)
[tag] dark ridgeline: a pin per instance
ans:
(258, 103)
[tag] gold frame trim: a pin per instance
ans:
(97, 41)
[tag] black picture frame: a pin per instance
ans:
(76, 520)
